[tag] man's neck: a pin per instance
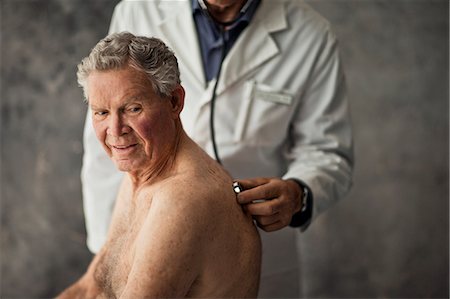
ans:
(164, 166)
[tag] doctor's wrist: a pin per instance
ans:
(303, 217)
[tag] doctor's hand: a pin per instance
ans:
(276, 201)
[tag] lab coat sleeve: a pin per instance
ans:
(321, 147)
(100, 178)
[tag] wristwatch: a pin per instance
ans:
(305, 193)
(302, 218)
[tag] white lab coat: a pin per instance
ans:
(281, 110)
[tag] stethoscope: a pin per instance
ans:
(221, 26)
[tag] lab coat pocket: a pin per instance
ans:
(264, 115)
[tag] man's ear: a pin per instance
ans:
(177, 100)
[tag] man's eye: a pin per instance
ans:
(135, 109)
(100, 113)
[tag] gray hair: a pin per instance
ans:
(147, 54)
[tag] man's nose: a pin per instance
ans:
(117, 126)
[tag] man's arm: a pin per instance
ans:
(86, 287)
(169, 248)
(322, 151)
(321, 156)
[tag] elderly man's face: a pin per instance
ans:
(135, 125)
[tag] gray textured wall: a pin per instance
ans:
(389, 238)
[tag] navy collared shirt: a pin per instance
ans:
(212, 39)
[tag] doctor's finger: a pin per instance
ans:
(266, 208)
(272, 227)
(262, 192)
(253, 182)
(267, 220)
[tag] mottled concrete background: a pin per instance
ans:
(388, 239)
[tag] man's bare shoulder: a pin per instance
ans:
(202, 191)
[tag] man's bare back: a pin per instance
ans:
(225, 244)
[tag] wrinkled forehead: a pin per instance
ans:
(111, 84)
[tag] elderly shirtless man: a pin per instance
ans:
(177, 230)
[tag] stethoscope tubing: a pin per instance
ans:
(223, 54)
(213, 103)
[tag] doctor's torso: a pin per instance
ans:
(261, 84)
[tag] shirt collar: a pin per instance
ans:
(195, 6)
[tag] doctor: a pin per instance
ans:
(266, 97)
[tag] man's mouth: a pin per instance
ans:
(125, 148)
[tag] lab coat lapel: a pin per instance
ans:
(255, 46)
(181, 32)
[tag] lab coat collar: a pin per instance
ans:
(255, 46)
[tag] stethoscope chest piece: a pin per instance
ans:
(237, 187)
